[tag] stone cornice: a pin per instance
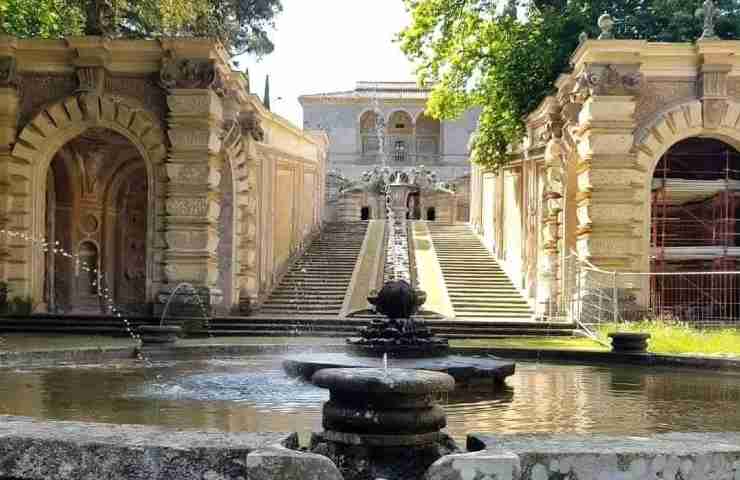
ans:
(305, 100)
(280, 154)
(274, 120)
(130, 57)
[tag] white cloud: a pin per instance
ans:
(327, 45)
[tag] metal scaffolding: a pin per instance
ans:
(695, 233)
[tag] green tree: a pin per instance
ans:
(477, 55)
(241, 25)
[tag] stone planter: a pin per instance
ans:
(629, 342)
(159, 334)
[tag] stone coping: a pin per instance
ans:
(671, 456)
(33, 449)
(97, 354)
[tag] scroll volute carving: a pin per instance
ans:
(251, 125)
(190, 73)
(8, 73)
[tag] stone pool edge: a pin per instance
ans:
(63, 450)
(32, 449)
(178, 352)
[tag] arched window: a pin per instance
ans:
(428, 134)
(369, 122)
(365, 213)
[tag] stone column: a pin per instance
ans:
(193, 198)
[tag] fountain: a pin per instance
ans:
(399, 336)
(383, 423)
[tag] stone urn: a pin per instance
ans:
(629, 342)
(158, 335)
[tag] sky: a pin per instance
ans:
(328, 45)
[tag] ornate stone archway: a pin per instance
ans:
(38, 141)
(670, 127)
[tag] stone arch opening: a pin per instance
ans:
(99, 212)
(431, 214)
(428, 136)
(365, 213)
(40, 141)
(400, 132)
(695, 227)
(369, 140)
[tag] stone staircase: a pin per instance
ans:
(317, 282)
(478, 288)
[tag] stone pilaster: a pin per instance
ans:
(548, 291)
(15, 196)
(193, 199)
(609, 203)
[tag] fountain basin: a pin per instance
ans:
(464, 369)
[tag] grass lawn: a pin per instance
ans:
(678, 338)
(668, 338)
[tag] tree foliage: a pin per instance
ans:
(241, 25)
(476, 55)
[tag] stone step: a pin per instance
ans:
(478, 287)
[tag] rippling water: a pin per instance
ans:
(253, 394)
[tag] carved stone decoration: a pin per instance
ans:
(656, 95)
(91, 80)
(8, 76)
(252, 125)
(710, 13)
(600, 79)
(713, 110)
(190, 73)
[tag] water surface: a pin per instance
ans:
(253, 394)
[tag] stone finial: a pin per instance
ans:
(510, 9)
(582, 38)
(710, 13)
(606, 25)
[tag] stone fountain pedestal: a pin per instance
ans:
(158, 335)
(383, 423)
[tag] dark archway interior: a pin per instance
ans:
(365, 213)
(97, 202)
(695, 228)
(431, 214)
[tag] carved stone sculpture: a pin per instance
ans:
(190, 73)
(252, 125)
(709, 12)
